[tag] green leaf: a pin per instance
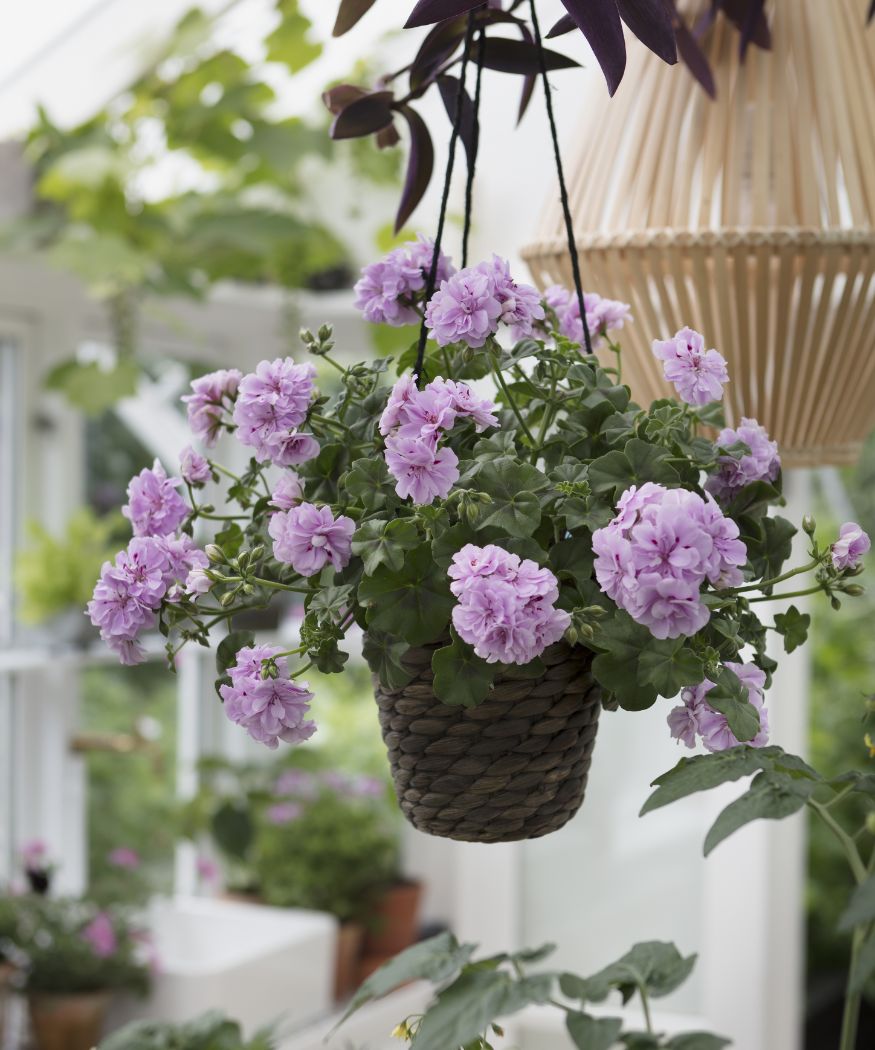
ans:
(730, 697)
(472, 1002)
(611, 473)
(233, 829)
(367, 481)
(861, 907)
(704, 772)
(697, 1041)
(616, 669)
(515, 507)
(589, 1033)
(649, 463)
(230, 539)
(437, 959)
(655, 965)
(461, 678)
(450, 542)
(384, 656)
(768, 556)
(865, 966)
(793, 625)
(414, 603)
(94, 389)
(670, 666)
(288, 43)
(230, 645)
(771, 796)
(379, 542)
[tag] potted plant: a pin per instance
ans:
(329, 845)
(514, 563)
(54, 575)
(72, 957)
(210, 1031)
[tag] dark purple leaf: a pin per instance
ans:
(518, 56)
(650, 21)
(387, 137)
(437, 47)
(419, 166)
(599, 21)
(871, 14)
(349, 13)
(449, 89)
(566, 24)
(364, 116)
(694, 58)
(739, 12)
(338, 98)
(427, 12)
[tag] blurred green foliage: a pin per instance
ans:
(56, 574)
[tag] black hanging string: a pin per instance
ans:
(418, 368)
(475, 146)
(563, 191)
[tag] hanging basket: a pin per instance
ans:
(515, 767)
(750, 217)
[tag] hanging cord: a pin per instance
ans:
(563, 191)
(475, 146)
(418, 369)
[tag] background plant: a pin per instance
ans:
(211, 1031)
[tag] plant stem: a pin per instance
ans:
(225, 471)
(855, 862)
(853, 999)
(279, 586)
(325, 421)
(777, 579)
(496, 371)
(645, 1004)
(222, 517)
(787, 594)
(331, 361)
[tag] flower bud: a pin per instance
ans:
(809, 524)
(325, 333)
(306, 337)
(854, 590)
(228, 598)
(835, 603)
(207, 508)
(215, 553)
(870, 823)
(256, 553)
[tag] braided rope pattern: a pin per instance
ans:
(514, 767)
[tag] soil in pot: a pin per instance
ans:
(350, 936)
(67, 1022)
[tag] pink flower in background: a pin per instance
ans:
(269, 709)
(521, 306)
(207, 869)
(154, 507)
(762, 463)
(308, 538)
(695, 716)
(124, 857)
(697, 374)
(465, 309)
(100, 934)
(386, 291)
(602, 315)
(653, 558)
(272, 403)
(849, 548)
(35, 855)
(206, 404)
(283, 813)
(296, 782)
(193, 467)
(505, 606)
(423, 471)
(288, 492)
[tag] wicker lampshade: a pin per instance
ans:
(750, 218)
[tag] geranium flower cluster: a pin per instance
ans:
(602, 315)
(269, 708)
(413, 423)
(208, 404)
(849, 548)
(151, 569)
(505, 606)
(762, 463)
(308, 538)
(389, 290)
(653, 558)
(695, 718)
(697, 374)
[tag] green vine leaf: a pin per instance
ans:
(461, 678)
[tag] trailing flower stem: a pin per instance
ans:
(786, 594)
(778, 579)
(496, 371)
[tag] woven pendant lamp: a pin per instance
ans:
(750, 218)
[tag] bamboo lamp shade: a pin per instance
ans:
(750, 217)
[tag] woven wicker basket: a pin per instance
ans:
(513, 768)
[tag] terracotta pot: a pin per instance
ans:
(241, 897)
(350, 936)
(394, 921)
(67, 1022)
